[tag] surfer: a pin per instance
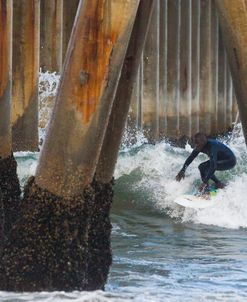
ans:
(221, 158)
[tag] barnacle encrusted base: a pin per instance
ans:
(9, 194)
(58, 243)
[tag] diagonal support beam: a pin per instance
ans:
(99, 225)
(119, 113)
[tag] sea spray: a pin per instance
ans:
(48, 84)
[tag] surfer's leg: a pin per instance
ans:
(223, 165)
(203, 168)
(226, 164)
(215, 179)
(218, 183)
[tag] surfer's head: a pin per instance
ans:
(200, 140)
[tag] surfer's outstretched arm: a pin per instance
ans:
(188, 161)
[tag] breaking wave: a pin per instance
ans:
(152, 169)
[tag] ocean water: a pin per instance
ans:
(161, 251)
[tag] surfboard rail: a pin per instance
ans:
(196, 201)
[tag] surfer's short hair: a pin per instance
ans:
(200, 136)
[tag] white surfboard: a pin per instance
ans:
(196, 202)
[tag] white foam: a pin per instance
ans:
(56, 296)
(27, 163)
(231, 211)
(132, 138)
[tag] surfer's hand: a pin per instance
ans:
(180, 175)
(203, 187)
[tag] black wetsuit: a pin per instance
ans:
(221, 158)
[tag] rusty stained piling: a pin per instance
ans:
(85, 96)
(57, 206)
(26, 17)
(9, 184)
(233, 23)
(51, 32)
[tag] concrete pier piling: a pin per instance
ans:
(85, 98)
(222, 86)
(172, 86)
(120, 108)
(162, 69)
(59, 202)
(205, 113)
(5, 77)
(26, 37)
(233, 23)
(178, 93)
(151, 57)
(69, 13)
(185, 66)
(166, 59)
(112, 140)
(195, 65)
(9, 184)
(51, 35)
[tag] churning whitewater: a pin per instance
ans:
(155, 168)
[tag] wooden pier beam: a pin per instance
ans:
(26, 16)
(57, 207)
(233, 22)
(51, 30)
(9, 184)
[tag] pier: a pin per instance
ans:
(170, 68)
